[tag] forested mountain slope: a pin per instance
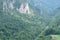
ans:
(34, 25)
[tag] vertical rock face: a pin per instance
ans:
(4, 5)
(8, 4)
(11, 6)
(24, 8)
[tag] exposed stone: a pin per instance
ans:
(24, 8)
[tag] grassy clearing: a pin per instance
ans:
(55, 37)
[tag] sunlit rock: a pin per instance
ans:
(24, 8)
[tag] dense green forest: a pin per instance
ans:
(33, 26)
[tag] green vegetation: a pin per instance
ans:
(55, 37)
(33, 26)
